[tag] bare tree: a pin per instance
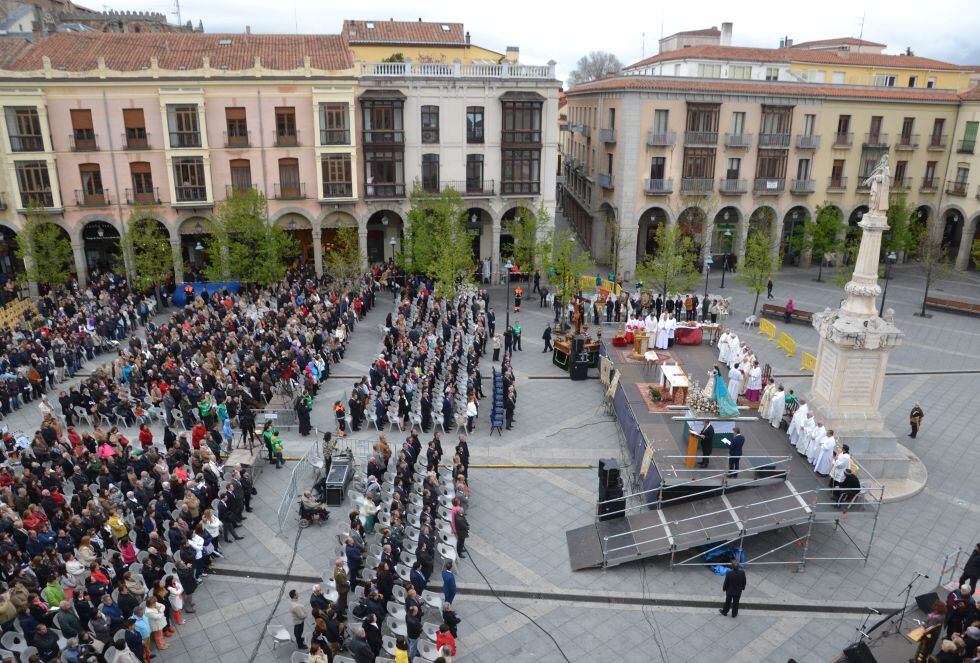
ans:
(592, 66)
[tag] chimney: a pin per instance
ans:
(513, 54)
(726, 34)
(248, 29)
(36, 30)
(467, 37)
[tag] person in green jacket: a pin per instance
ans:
(267, 432)
(53, 593)
(517, 329)
(204, 409)
(277, 450)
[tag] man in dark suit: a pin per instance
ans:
(659, 305)
(735, 451)
(547, 338)
(707, 435)
(733, 587)
(227, 517)
(462, 531)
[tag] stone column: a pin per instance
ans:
(362, 244)
(495, 249)
(741, 239)
(81, 268)
(178, 260)
(318, 250)
(963, 256)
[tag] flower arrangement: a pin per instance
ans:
(698, 402)
(656, 395)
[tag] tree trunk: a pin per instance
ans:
(156, 293)
(926, 295)
(820, 270)
(756, 305)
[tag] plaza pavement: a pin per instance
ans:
(519, 516)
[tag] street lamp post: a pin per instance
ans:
(724, 264)
(889, 261)
(708, 261)
(507, 268)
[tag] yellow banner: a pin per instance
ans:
(598, 283)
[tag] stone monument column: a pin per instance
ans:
(853, 353)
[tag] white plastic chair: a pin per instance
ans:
(428, 650)
(299, 657)
(278, 633)
(13, 641)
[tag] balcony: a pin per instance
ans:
(580, 128)
(733, 187)
(738, 140)
(42, 198)
(928, 185)
(658, 187)
(876, 140)
(186, 193)
(91, 199)
(473, 188)
(143, 197)
(237, 139)
(843, 140)
(286, 139)
(605, 180)
(956, 188)
(901, 183)
(185, 139)
(338, 190)
(334, 137)
(520, 188)
(504, 70)
(607, 135)
(769, 186)
(376, 190)
(386, 137)
(83, 142)
(805, 142)
(26, 143)
(700, 138)
(966, 146)
(779, 140)
(907, 142)
(836, 183)
(242, 187)
(3, 201)
(135, 139)
(937, 142)
(803, 186)
(289, 191)
(658, 139)
(697, 185)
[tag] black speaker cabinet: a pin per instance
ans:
(925, 601)
(608, 472)
(859, 653)
(579, 370)
(578, 344)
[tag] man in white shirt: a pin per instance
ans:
(842, 461)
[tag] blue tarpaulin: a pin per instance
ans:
(180, 297)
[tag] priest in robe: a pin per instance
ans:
(825, 455)
(753, 385)
(777, 408)
(671, 326)
(661, 332)
(723, 348)
(734, 382)
(842, 461)
(813, 444)
(796, 423)
(766, 399)
(735, 350)
(806, 430)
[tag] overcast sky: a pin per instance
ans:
(545, 29)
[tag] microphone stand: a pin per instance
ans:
(908, 594)
(862, 632)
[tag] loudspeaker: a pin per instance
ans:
(612, 504)
(859, 653)
(578, 344)
(926, 601)
(579, 370)
(608, 473)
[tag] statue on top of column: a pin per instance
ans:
(879, 181)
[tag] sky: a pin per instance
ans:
(564, 31)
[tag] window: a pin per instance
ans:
(384, 173)
(901, 168)
(843, 129)
(709, 71)
(474, 173)
(660, 117)
(738, 123)
(183, 124)
(658, 167)
(818, 76)
(382, 121)
(430, 124)
(740, 71)
(82, 131)
(289, 185)
(190, 184)
(809, 122)
(929, 177)
(286, 133)
(931, 82)
(969, 137)
(91, 193)
(803, 169)
(677, 70)
(875, 128)
(336, 176)
(837, 174)
(908, 124)
(474, 124)
(772, 73)
(771, 164)
(912, 80)
(869, 161)
(702, 118)
(143, 191)
(520, 171)
(734, 167)
(838, 78)
(521, 122)
(699, 163)
(136, 136)
(884, 80)
(34, 183)
(430, 173)
(962, 176)
(236, 128)
(776, 119)
(333, 124)
(241, 174)
(24, 127)
(937, 131)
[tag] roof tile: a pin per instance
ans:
(845, 41)
(132, 51)
(404, 32)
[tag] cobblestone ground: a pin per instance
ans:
(519, 516)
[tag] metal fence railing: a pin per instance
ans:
(304, 470)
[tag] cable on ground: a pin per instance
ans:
(275, 605)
